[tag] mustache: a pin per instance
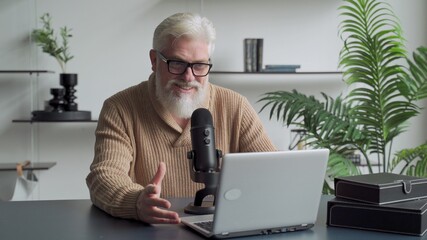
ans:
(184, 84)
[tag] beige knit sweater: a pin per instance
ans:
(135, 133)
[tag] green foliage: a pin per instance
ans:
(415, 82)
(372, 47)
(327, 123)
(412, 161)
(46, 39)
(382, 98)
(338, 165)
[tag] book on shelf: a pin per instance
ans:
(281, 67)
(247, 58)
(253, 54)
(275, 66)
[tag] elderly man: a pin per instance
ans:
(146, 127)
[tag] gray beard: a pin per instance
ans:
(181, 106)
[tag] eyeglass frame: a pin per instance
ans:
(168, 61)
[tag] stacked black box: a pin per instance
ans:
(380, 202)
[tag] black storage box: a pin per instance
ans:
(381, 188)
(405, 217)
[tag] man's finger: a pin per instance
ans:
(157, 202)
(164, 216)
(161, 171)
(151, 190)
(166, 221)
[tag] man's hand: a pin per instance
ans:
(151, 208)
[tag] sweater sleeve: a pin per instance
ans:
(111, 188)
(253, 137)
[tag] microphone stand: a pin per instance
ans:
(210, 179)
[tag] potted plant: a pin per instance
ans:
(383, 97)
(46, 38)
(63, 103)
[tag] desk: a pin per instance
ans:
(79, 219)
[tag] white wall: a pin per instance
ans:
(110, 44)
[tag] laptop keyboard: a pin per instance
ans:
(207, 225)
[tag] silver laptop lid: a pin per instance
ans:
(269, 190)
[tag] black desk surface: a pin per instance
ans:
(79, 219)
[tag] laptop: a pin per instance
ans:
(263, 193)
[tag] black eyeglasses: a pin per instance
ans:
(179, 67)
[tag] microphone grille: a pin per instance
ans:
(201, 117)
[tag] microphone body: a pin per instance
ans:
(203, 141)
(204, 161)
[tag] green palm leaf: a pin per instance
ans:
(412, 162)
(414, 83)
(338, 165)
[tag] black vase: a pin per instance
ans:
(57, 102)
(69, 81)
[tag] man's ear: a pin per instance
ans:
(153, 59)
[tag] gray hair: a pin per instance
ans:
(184, 24)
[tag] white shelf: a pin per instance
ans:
(273, 79)
(282, 73)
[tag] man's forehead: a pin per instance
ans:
(188, 47)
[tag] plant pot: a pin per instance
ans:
(69, 81)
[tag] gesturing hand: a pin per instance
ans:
(151, 208)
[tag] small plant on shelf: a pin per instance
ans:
(45, 38)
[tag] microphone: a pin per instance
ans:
(204, 161)
(203, 141)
